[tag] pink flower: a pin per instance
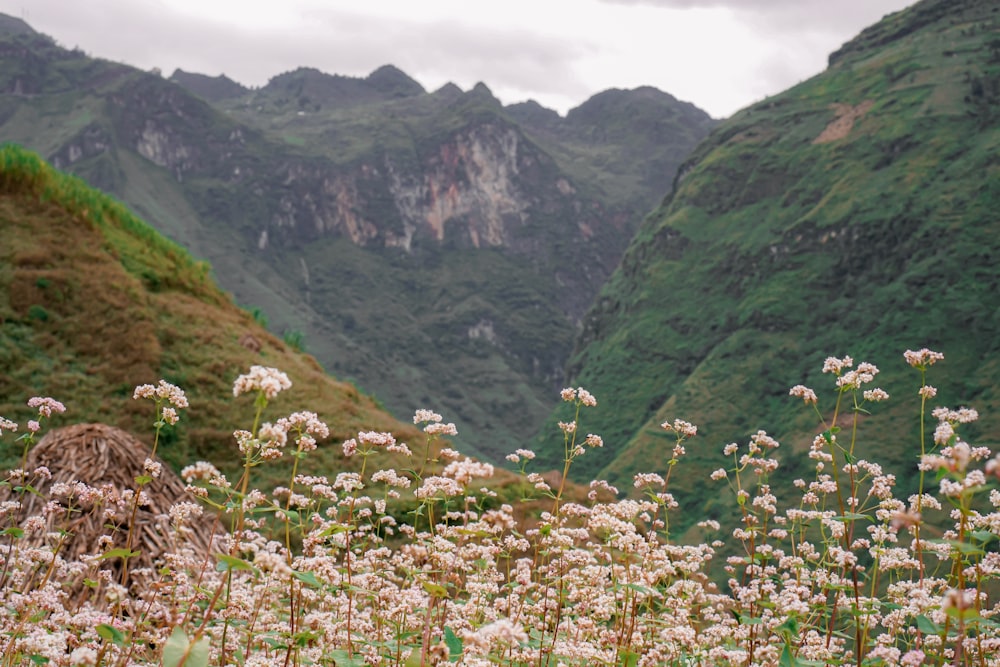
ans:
(46, 406)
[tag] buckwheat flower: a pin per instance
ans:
(449, 454)
(7, 425)
(568, 394)
(246, 442)
(593, 440)
(730, 449)
(202, 470)
(926, 392)
(465, 471)
(943, 433)
(391, 478)
(305, 422)
(922, 358)
(83, 656)
(875, 395)
(152, 468)
(835, 366)
(585, 397)
(913, 658)
(525, 453)
(513, 458)
(33, 426)
(681, 427)
(956, 599)
(803, 392)
(46, 406)
(274, 434)
(646, 478)
(350, 447)
(567, 427)
(169, 415)
(718, 474)
(441, 429)
(538, 481)
(269, 381)
(434, 486)
(426, 416)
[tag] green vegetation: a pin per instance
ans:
(794, 234)
(94, 300)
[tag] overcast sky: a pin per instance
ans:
(719, 54)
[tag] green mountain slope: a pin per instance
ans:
(854, 214)
(431, 246)
(94, 302)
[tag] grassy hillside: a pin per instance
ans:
(93, 301)
(855, 214)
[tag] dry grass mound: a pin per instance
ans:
(109, 459)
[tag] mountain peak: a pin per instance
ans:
(211, 88)
(11, 25)
(393, 81)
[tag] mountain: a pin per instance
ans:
(211, 88)
(854, 214)
(93, 302)
(437, 248)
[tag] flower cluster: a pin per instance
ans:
(268, 381)
(833, 565)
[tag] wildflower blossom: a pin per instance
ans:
(441, 429)
(46, 406)
(7, 425)
(681, 428)
(269, 381)
(922, 358)
(836, 366)
(426, 416)
(803, 392)
(875, 395)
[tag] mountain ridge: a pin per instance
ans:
(428, 246)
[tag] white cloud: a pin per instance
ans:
(719, 54)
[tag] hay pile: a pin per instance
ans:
(105, 457)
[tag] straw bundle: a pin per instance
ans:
(110, 459)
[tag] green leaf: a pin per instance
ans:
(342, 658)
(853, 516)
(39, 659)
(983, 536)
(227, 563)
(927, 626)
(629, 659)
(13, 531)
(454, 644)
(308, 578)
(641, 589)
(435, 590)
(143, 479)
(178, 650)
(111, 634)
(119, 553)
(787, 659)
